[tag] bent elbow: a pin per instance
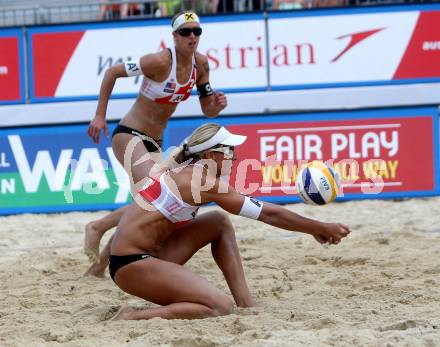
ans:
(109, 74)
(112, 73)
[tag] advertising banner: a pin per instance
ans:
(69, 62)
(377, 46)
(48, 169)
(286, 50)
(375, 153)
(11, 67)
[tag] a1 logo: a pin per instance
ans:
(132, 67)
(177, 98)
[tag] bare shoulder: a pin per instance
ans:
(164, 58)
(185, 173)
(201, 58)
(182, 176)
(155, 62)
(194, 174)
(202, 61)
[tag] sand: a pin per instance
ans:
(380, 287)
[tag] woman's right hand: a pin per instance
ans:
(332, 233)
(96, 125)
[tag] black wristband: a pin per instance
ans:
(204, 90)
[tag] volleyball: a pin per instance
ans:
(317, 183)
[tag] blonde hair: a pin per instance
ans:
(202, 134)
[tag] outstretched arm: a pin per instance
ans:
(278, 216)
(283, 218)
(211, 102)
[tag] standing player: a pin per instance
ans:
(168, 79)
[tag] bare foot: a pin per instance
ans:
(124, 313)
(96, 270)
(248, 302)
(91, 242)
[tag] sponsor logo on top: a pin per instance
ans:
(170, 87)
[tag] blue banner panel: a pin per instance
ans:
(59, 168)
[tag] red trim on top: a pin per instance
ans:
(152, 192)
(184, 91)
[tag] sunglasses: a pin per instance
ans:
(197, 31)
(228, 151)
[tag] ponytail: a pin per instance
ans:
(181, 155)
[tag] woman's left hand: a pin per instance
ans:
(220, 101)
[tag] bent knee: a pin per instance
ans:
(223, 306)
(222, 221)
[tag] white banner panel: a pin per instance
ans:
(338, 48)
(100, 49)
(236, 53)
(286, 50)
(238, 103)
(237, 57)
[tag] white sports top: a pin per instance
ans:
(169, 91)
(157, 193)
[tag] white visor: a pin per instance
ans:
(222, 137)
(187, 17)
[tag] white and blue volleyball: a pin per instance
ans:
(317, 183)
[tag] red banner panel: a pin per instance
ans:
(422, 56)
(51, 55)
(370, 156)
(10, 83)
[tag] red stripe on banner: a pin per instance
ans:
(9, 69)
(422, 56)
(51, 53)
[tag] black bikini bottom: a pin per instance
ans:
(149, 145)
(118, 261)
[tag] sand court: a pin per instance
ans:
(379, 287)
